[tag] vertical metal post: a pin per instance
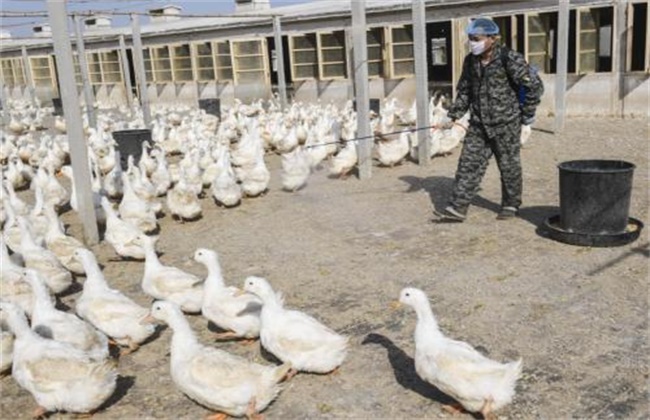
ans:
(421, 81)
(360, 52)
(140, 75)
(126, 72)
(619, 58)
(3, 102)
(78, 150)
(279, 54)
(28, 76)
(562, 59)
(89, 97)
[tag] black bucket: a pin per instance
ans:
(211, 106)
(129, 143)
(595, 196)
(374, 105)
(58, 106)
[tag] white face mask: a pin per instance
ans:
(477, 47)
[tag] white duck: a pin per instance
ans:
(296, 168)
(169, 283)
(99, 213)
(7, 339)
(49, 322)
(255, 180)
(225, 189)
(295, 337)
(450, 139)
(59, 377)
(455, 367)
(13, 283)
(44, 261)
(53, 192)
(391, 150)
(345, 160)
(112, 183)
(111, 312)
(183, 202)
(135, 210)
(227, 307)
(62, 245)
(213, 378)
(121, 234)
(161, 178)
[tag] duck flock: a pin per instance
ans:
(62, 358)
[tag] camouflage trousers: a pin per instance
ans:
(479, 145)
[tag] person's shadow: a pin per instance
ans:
(404, 369)
(439, 189)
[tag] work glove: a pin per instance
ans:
(446, 125)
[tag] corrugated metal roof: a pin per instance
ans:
(297, 12)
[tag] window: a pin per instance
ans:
(640, 43)
(374, 41)
(13, 72)
(249, 61)
(77, 69)
(111, 67)
(148, 65)
(204, 61)
(223, 60)
(7, 72)
(304, 61)
(587, 41)
(161, 64)
(402, 62)
(94, 68)
(43, 71)
(539, 43)
(182, 63)
(332, 63)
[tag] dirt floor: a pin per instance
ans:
(341, 250)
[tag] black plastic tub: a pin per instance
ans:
(595, 195)
(129, 143)
(373, 103)
(57, 103)
(211, 106)
(594, 205)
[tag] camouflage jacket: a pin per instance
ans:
(491, 94)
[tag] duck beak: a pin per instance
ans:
(239, 292)
(395, 305)
(149, 319)
(58, 174)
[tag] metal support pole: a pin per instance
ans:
(3, 103)
(89, 97)
(28, 76)
(279, 54)
(126, 72)
(619, 56)
(360, 52)
(421, 81)
(78, 150)
(140, 75)
(562, 60)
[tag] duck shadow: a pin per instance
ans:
(122, 386)
(404, 369)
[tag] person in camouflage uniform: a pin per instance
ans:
(489, 87)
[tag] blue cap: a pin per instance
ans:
(482, 26)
